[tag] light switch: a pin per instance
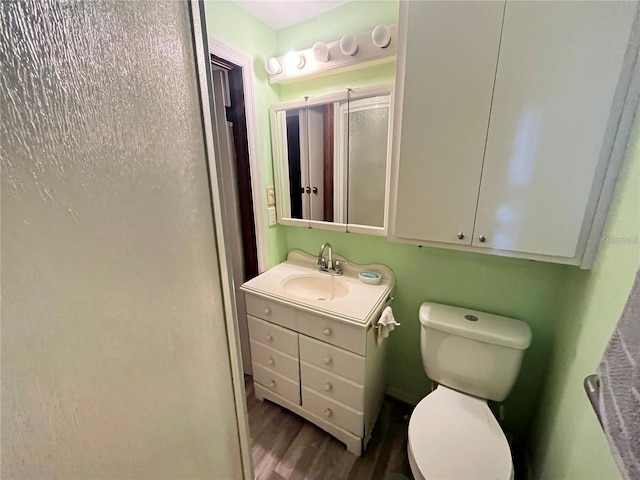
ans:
(271, 196)
(272, 216)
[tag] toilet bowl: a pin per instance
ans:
(455, 436)
(474, 357)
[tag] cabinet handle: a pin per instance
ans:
(269, 337)
(271, 361)
(482, 238)
(328, 387)
(327, 331)
(327, 360)
(267, 311)
(460, 236)
(328, 412)
(272, 384)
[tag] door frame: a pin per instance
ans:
(205, 84)
(223, 50)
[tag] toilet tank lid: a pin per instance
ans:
(481, 326)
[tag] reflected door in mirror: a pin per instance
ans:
(310, 153)
(297, 196)
(367, 123)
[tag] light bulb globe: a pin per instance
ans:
(273, 66)
(381, 36)
(349, 45)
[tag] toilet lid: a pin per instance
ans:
(455, 436)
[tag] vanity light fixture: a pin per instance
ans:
(294, 60)
(273, 66)
(381, 36)
(321, 52)
(349, 45)
(373, 46)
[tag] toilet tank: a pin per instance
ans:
(473, 352)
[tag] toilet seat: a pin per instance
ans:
(455, 436)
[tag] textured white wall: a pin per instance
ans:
(114, 355)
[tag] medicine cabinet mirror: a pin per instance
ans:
(331, 160)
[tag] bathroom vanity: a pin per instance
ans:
(314, 345)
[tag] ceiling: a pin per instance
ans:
(279, 14)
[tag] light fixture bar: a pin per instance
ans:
(328, 58)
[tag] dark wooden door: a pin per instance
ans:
(236, 114)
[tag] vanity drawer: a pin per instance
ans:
(271, 311)
(273, 336)
(277, 383)
(335, 332)
(332, 386)
(332, 359)
(332, 411)
(275, 360)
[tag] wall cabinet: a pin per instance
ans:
(503, 122)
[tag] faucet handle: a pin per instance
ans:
(322, 262)
(337, 265)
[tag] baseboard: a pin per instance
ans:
(403, 396)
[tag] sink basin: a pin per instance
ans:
(298, 283)
(315, 287)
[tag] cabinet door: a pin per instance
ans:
(557, 73)
(446, 70)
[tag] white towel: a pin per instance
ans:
(619, 374)
(386, 324)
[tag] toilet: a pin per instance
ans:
(474, 357)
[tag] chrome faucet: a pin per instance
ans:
(328, 264)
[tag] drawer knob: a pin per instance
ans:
(272, 384)
(460, 236)
(482, 238)
(327, 331)
(327, 360)
(328, 412)
(271, 361)
(267, 311)
(328, 387)
(269, 337)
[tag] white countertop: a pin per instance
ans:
(359, 306)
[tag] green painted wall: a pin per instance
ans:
(517, 288)
(568, 441)
(571, 312)
(229, 23)
(354, 17)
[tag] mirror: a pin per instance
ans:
(331, 157)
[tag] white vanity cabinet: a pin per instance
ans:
(317, 353)
(505, 114)
(325, 370)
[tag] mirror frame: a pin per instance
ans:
(279, 152)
